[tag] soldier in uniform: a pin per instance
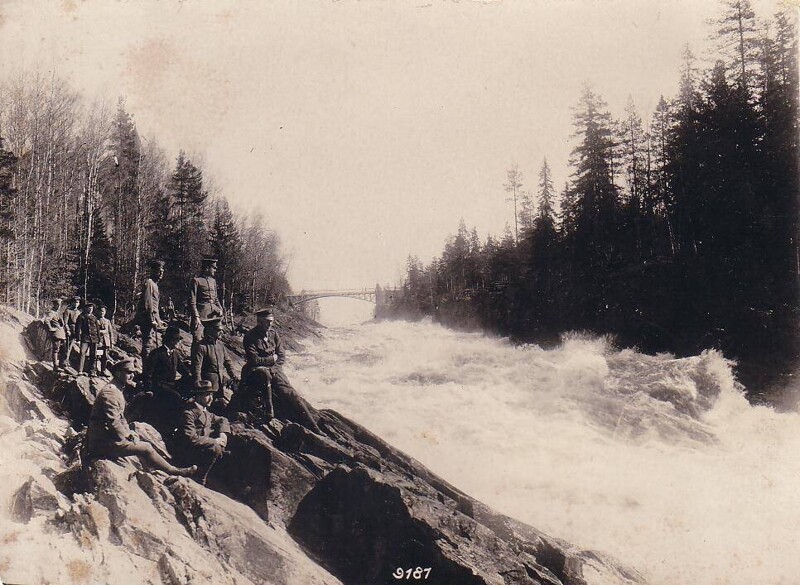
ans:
(210, 361)
(58, 334)
(89, 334)
(162, 370)
(148, 315)
(203, 300)
(109, 434)
(107, 339)
(265, 356)
(202, 435)
(70, 319)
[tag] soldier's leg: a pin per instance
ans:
(296, 406)
(84, 349)
(56, 349)
(148, 455)
(147, 340)
(92, 358)
(260, 380)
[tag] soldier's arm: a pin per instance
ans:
(197, 364)
(188, 430)
(279, 351)
(253, 355)
(193, 299)
(112, 408)
(221, 424)
(227, 362)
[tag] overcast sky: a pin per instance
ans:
(364, 130)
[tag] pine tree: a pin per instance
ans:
(514, 186)
(226, 246)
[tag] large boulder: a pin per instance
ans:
(366, 527)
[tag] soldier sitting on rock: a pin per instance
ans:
(162, 371)
(58, 334)
(202, 435)
(210, 362)
(263, 373)
(110, 436)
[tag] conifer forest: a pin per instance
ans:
(676, 231)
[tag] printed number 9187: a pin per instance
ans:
(418, 573)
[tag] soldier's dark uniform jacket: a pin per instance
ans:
(203, 299)
(108, 429)
(210, 362)
(87, 328)
(161, 369)
(261, 351)
(196, 433)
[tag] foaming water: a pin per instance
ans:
(658, 461)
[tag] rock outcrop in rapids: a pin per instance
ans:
(291, 507)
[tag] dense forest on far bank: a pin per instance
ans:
(675, 235)
(86, 202)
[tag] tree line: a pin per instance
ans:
(86, 202)
(679, 234)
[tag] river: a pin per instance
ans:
(660, 462)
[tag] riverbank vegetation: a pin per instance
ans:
(86, 201)
(674, 234)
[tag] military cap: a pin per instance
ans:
(76, 298)
(266, 312)
(156, 264)
(203, 387)
(212, 322)
(87, 305)
(208, 259)
(124, 365)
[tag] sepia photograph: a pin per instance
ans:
(413, 292)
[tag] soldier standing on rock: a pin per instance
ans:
(210, 361)
(203, 300)
(110, 436)
(262, 371)
(202, 435)
(107, 335)
(70, 319)
(148, 316)
(58, 333)
(89, 334)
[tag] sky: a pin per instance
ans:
(364, 131)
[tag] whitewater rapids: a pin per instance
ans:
(660, 462)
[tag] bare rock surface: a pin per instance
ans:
(286, 506)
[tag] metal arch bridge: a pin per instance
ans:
(375, 295)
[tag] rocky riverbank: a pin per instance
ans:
(293, 507)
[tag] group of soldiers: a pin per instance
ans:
(189, 404)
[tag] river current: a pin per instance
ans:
(658, 461)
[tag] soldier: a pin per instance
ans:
(209, 359)
(109, 434)
(203, 301)
(265, 356)
(58, 334)
(162, 370)
(202, 435)
(89, 334)
(70, 319)
(107, 339)
(147, 314)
